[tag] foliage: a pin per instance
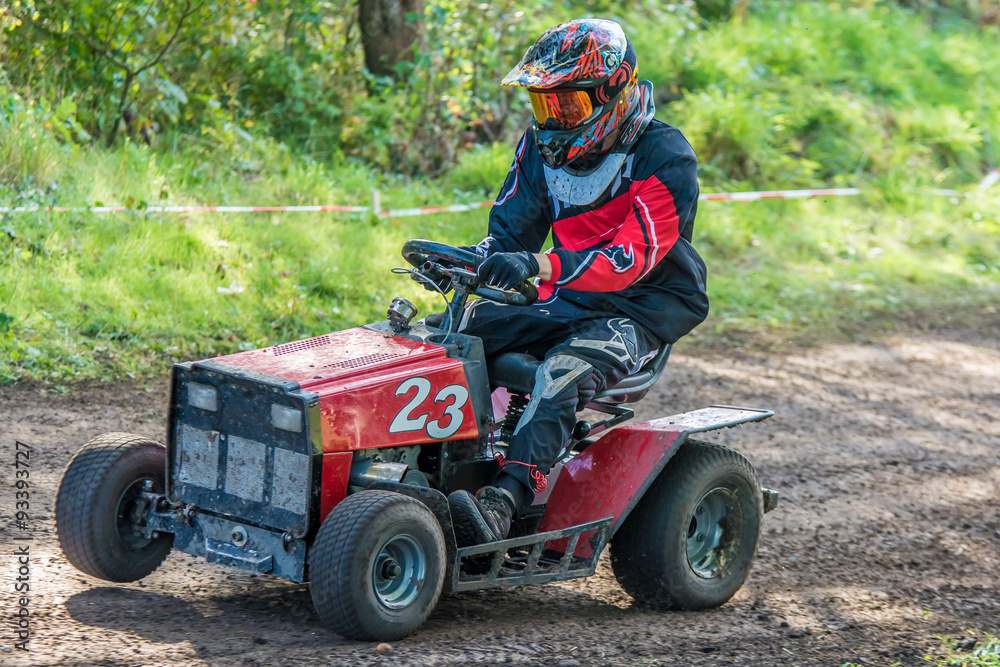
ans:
(110, 55)
(29, 151)
(969, 653)
(293, 70)
(275, 108)
(796, 94)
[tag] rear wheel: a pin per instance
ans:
(691, 540)
(377, 566)
(99, 504)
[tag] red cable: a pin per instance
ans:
(536, 474)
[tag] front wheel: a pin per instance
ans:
(377, 566)
(100, 504)
(691, 540)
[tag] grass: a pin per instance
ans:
(84, 295)
(832, 94)
(969, 653)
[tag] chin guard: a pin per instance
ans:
(579, 188)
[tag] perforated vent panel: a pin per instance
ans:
(366, 360)
(299, 345)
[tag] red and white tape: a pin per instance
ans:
(184, 209)
(427, 210)
(778, 194)
(991, 178)
(404, 212)
(708, 196)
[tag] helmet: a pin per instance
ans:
(581, 79)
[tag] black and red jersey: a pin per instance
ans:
(629, 252)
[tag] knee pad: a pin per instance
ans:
(563, 380)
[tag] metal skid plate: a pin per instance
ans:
(260, 550)
(525, 560)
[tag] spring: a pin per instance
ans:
(514, 411)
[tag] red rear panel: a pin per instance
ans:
(606, 478)
(609, 477)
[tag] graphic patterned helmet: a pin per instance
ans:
(581, 78)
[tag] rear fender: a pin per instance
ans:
(610, 477)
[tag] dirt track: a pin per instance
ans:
(887, 457)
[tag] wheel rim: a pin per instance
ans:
(399, 571)
(123, 514)
(714, 532)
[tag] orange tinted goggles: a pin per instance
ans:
(568, 109)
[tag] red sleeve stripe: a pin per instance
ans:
(556, 267)
(670, 222)
(649, 231)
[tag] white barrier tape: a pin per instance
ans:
(778, 194)
(421, 210)
(426, 210)
(185, 209)
(990, 179)
(710, 196)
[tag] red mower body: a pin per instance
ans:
(371, 389)
(279, 459)
(375, 390)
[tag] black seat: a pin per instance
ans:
(515, 372)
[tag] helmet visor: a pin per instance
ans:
(566, 109)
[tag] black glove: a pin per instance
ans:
(508, 269)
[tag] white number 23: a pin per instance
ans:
(405, 421)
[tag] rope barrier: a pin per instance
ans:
(407, 212)
(990, 179)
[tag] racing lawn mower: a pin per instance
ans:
(329, 459)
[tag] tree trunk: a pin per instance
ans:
(386, 34)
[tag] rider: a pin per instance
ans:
(618, 191)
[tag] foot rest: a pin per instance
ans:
(524, 560)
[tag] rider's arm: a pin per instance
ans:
(662, 204)
(519, 219)
(544, 266)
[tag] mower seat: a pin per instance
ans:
(515, 371)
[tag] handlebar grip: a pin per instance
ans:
(528, 291)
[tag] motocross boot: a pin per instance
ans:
(482, 518)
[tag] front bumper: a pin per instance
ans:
(227, 542)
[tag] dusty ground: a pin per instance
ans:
(887, 456)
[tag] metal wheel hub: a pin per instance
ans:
(129, 513)
(399, 571)
(713, 532)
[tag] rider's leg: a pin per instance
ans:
(530, 329)
(599, 355)
(573, 372)
(564, 384)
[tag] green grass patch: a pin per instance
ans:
(784, 95)
(96, 295)
(969, 653)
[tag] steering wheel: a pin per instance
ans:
(420, 252)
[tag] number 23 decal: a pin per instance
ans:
(405, 421)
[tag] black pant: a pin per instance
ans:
(584, 351)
